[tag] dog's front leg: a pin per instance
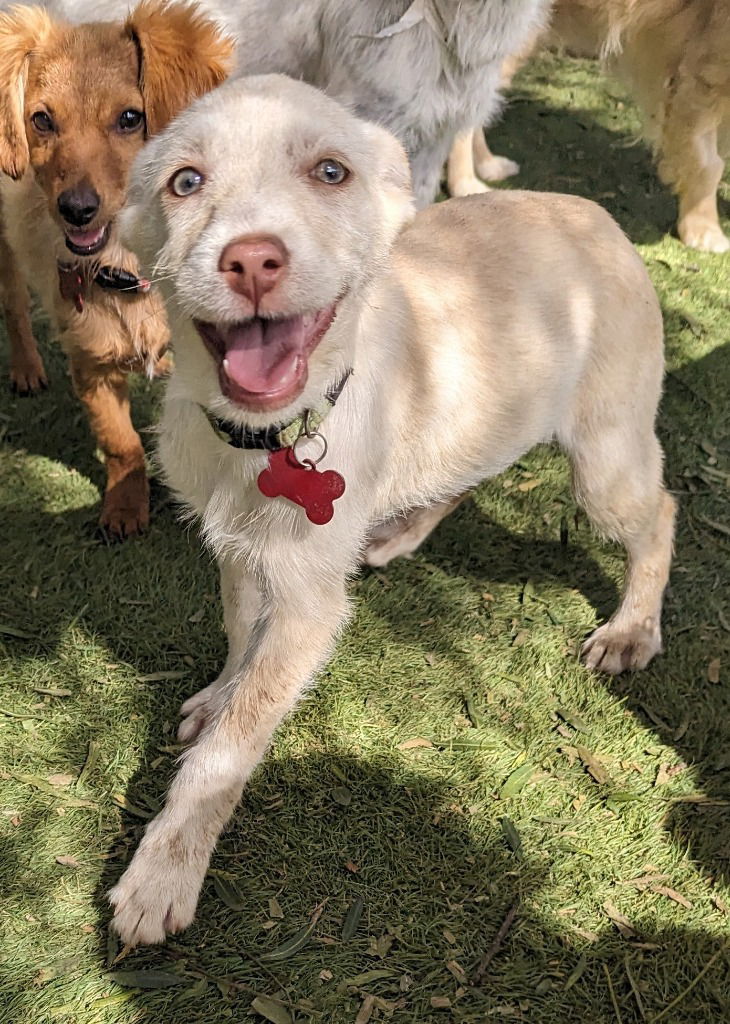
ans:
(241, 604)
(290, 639)
(103, 390)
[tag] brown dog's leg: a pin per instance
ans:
(103, 390)
(27, 374)
(690, 163)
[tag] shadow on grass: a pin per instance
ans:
(424, 864)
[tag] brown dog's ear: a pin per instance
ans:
(182, 55)
(22, 30)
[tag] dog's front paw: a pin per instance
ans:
(497, 168)
(157, 894)
(27, 375)
(612, 648)
(702, 234)
(126, 508)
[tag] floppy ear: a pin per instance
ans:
(22, 30)
(182, 55)
(394, 171)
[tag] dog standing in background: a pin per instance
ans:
(309, 305)
(674, 56)
(426, 70)
(76, 105)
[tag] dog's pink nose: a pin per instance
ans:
(253, 266)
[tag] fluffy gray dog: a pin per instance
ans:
(424, 69)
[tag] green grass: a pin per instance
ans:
(472, 645)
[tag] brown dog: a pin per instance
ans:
(674, 57)
(76, 104)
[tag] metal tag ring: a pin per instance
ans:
(309, 463)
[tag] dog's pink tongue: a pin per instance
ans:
(265, 355)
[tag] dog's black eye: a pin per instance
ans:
(130, 120)
(330, 171)
(186, 181)
(42, 122)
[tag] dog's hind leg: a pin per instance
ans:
(401, 535)
(291, 637)
(617, 472)
(103, 391)
(27, 373)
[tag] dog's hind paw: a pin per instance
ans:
(613, 648)
(28, 377)
(195, 713)
(497, 168)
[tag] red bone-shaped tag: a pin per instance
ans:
(314, 491)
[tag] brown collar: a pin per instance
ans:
(73, 284)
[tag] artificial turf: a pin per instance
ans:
(455, 763)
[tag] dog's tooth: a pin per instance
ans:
(225, 365)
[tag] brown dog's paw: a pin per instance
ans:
(28, 376)
(126, 508)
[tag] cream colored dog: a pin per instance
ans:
(281, 227)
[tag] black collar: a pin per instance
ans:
(73, 283)
(279, 435)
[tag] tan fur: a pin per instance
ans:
(673, 54)
(461, 362)
(85, 77)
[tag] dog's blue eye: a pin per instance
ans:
(42, 122)
(330, 171)
(130, 120)
(186, 181)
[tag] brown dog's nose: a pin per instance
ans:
(253, 266)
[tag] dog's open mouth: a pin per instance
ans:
(262, 363)
(87, 243)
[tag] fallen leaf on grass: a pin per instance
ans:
(271, 1010)
(145, 979)
(593, 766)
(622, 922)
(713, 671)
(528, 485)
(197, 616)
(672, 894)
(51, 691)
(366, 1010)
(57, 970)
(139, 812)
(67, 861)
(418, 741)
(457, 970)
(440, 1002)
(229, 893)
(366, 978)
(576, 974)
(644, 881)
(294, 943)
(511, 835)
(61, 780)
(342, 796)
(275, 908)
(352, 919)
(517, 781)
